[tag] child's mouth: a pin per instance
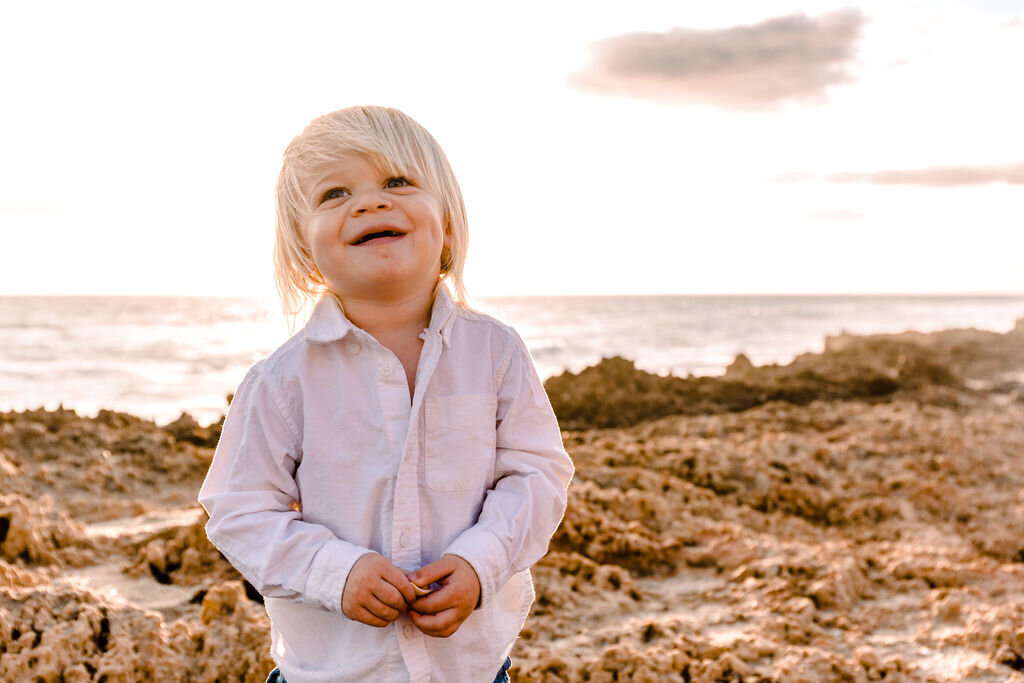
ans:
(370, 236)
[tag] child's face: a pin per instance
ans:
(374, 235)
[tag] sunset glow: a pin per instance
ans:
(674, 148)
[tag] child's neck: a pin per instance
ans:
(389, 317)
(396, 324)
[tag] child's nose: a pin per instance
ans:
(370, 201)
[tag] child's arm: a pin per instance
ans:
(532, 473)
(248, 492)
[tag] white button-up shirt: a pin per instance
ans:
(473, 466)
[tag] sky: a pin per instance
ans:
(763, 146)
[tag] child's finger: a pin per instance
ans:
(460, 590)
(432, 604)
(363, 615)
(433, 572)
(390, 596)
(396, 578)
(380, 610)
(440, 625)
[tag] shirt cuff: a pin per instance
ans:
(328, 573)
(487, 556)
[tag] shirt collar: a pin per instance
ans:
(329, 323)
(442, 315)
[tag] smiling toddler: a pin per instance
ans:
(387, 476)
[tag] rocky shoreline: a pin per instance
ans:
(854, 515)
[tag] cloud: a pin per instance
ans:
(743, 67)
(938, 176)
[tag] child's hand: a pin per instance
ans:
(442, 612)
(376, 591)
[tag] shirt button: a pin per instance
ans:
(403, 540)
(407, 630)
(354, 348)
(386, 370)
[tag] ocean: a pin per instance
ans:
(159, 356)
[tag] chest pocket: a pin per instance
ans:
(460, 441)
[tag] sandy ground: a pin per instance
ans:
(857, 515)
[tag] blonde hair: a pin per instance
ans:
(396, 145)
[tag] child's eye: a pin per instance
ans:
(333, 193)
(397, 181)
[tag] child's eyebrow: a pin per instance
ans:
(329, 179)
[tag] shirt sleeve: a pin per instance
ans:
(532, 474)
(247, 493)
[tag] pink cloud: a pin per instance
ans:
(743, 67)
